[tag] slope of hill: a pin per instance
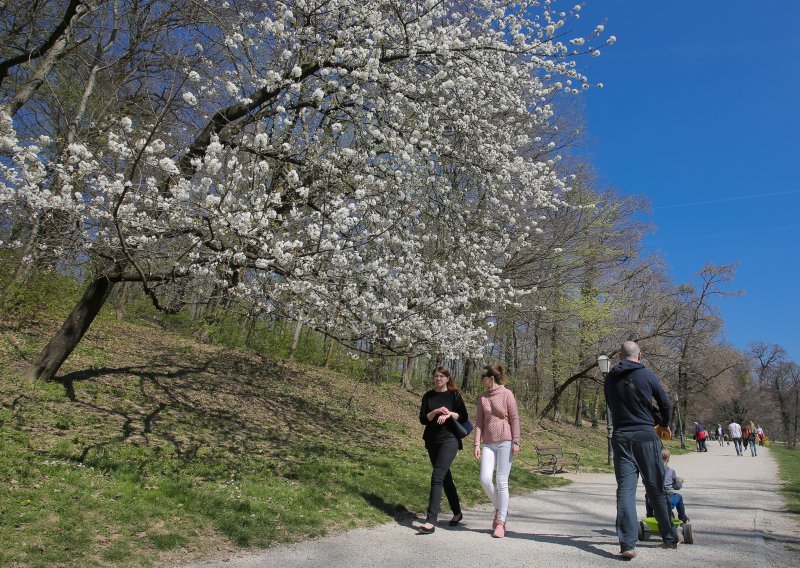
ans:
(155, 450)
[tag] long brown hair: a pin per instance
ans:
(451, 384)
(496, 371)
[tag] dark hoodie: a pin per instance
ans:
(628, 414)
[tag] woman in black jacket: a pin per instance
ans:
(439, 408)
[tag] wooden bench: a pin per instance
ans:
(553, 459)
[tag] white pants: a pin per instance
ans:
(499, 456)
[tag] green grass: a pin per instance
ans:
(789, 464)
(154, 449)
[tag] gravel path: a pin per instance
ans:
(734, 503)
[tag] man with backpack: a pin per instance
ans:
(629, 389)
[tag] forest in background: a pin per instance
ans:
(377, 187)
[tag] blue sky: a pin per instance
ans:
(700, 113)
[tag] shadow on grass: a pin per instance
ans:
(231, 405)
(400, 513)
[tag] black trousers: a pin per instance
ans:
(442, 455)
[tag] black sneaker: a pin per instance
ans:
(669, 545)
(455, 520)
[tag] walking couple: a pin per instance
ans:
(497, 441)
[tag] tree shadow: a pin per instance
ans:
(400, 513)
(565, 540)
(225, 406)
(561, 540)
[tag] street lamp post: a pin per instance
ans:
(604, 364)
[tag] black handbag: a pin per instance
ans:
(462, 429)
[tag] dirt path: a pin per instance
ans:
(734, 503)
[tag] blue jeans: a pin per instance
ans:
(676, 499)
(639, 453)
(752, 443)
(737, 444)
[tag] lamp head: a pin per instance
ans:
(604, 364)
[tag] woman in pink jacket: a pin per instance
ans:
(497, 429)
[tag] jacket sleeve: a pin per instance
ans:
(423, 410)
(461, 409)
(663, 401)
(676, 483)
(478, 422)
(513, 416)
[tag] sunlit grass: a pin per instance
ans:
(789, 464)
(171, 458)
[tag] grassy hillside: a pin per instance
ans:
(155, 450)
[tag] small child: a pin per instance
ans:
(671, 483)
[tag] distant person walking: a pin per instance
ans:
(721, 434)
(735, 431)
(760, 435)
(750, 439)
(702, 436)
(497, 441)
(629, 389)
(439, 407)
(697, 429)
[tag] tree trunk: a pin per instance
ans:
(329, 353)
(408, 371)
(57, 47)
(122, 301)
(296, 337)
(579, 405)
(21, 273)
(537, 375)
(468, 365)
(783, 409)
(555, 402)
(679, 416)
(248, 340)
(61, 346)
(377, 365)
(509, 350)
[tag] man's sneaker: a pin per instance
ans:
(628, 554)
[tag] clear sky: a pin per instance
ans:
(700, 112)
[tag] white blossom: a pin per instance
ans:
(168, 165)
(329, 191)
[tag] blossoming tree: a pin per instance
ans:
(366, 166)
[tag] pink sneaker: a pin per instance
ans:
(499, 530)
(496, 519)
